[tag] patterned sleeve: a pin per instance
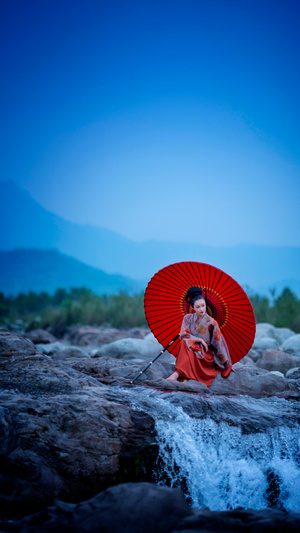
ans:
(192, 342)
(220, 348)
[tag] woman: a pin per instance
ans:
(203, 351)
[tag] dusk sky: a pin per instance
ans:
(167, 120)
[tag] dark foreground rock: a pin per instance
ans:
(145, 508)
(63, 433)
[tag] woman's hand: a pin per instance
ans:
(201, 341)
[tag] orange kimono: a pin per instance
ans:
(192, 362)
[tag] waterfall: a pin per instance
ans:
(226, 452)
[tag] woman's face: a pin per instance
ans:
(200, 307)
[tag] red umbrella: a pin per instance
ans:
(227, 302)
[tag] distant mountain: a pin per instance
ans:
(47, 270)
(28, 225)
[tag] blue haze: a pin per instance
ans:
(170, 121)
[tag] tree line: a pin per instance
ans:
(81, 306)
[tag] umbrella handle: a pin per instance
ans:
(155, 358)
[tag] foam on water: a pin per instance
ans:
(219, 465)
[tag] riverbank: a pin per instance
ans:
(73, 426)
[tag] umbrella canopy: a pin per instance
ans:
(227, 303)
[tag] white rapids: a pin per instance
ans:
(225, 452)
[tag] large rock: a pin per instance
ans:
(145, 508)
(125, 349)
(247, 360)
(51, 348)
(279, 361)
(292, 343)
(69, 351)
(63, 433)
(247, 379)
(282, 334)
(264, 343)
(97, 336)
(265, 330)
(256, 382)
(293, 373)
(253, 354)
(40, 336)
(14, 345)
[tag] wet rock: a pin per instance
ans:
(263, 343)
(292, 343)
(40, 336)
(275, 360)
(145, 507)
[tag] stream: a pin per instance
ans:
(225, 452)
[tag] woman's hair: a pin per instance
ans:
(194, 294)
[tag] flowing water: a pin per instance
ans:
(226, 452)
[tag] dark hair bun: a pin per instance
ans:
(192, 293)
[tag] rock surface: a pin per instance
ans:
(145, 508)
(40, 336)
(264, 343)
(97, 336)
(265, 330)
(126, 349)
(292, 343)
(279, 361)
(68, 433)
(63, 434)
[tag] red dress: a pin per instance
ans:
(192, 362)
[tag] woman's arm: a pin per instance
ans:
(192, 342)
(219, 344)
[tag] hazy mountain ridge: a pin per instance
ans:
(23, 270)
(28, 225)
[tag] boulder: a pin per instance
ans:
(69, 351)
(275, 360)
(277, 373)
(100, 335)
(14, 345)
(282, 334)
(265, 330)
(145, 507)
(247, 379)
(256, 382)
(51, 348)
(292, 343)
(254, 354)
(246, 360)
(263, 343)
(126, 349)
(63, 433)
(293, 373)
(40, 336)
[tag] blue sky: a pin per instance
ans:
(167, 120)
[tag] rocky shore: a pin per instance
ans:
(76, 456)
